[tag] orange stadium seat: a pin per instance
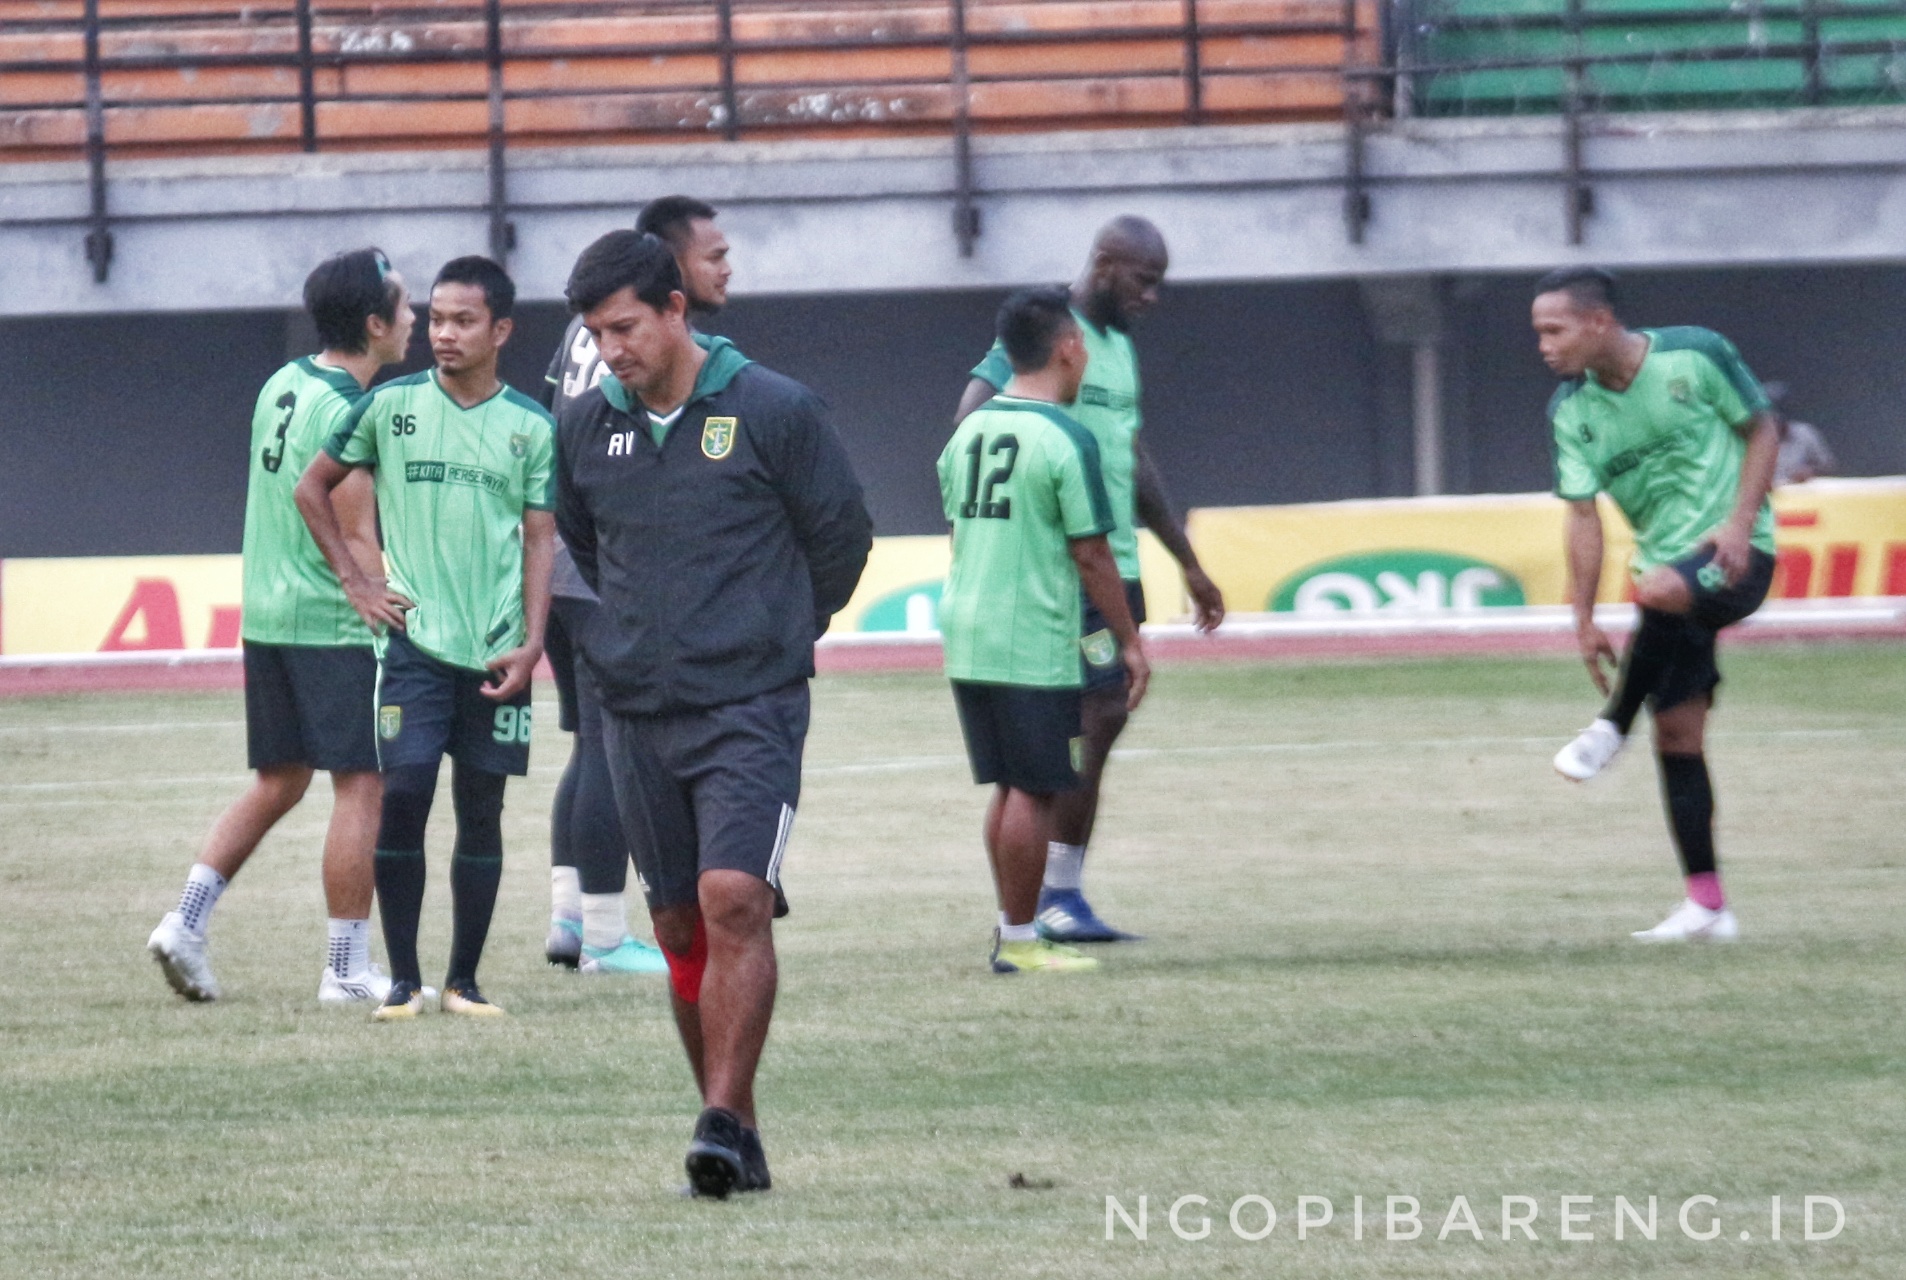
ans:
(184, 77)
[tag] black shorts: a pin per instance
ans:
(568, 615)
(1018, 737)
(1687, 640)
(310, 705)
(1102, 672)
(428, 709)
(709, 790)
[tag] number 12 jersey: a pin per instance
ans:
(1018, 481)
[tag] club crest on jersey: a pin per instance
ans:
(390, 722)
(519, 446)
(1680, 390)
(718, 438)
(1100, 649)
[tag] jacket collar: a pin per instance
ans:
(718, 370)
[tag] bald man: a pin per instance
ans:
(1119, 283)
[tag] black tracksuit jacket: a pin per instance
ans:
(719, 556)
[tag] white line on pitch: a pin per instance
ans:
(906, 764)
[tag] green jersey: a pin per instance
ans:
(291, 596)
(452, 486)
(1018, 480)
(1668, 450)
(1107, 407)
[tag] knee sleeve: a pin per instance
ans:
(408, 791)
(478, 796)
(685, 972)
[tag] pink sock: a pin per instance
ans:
(1705, 888)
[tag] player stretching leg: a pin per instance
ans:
(712, 508)
(589, 859)
(309, 668)
(1020, 485)
(463, 466)
(1672, 426)
(1119, 284)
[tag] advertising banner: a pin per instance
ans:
(1393, 556)
(1434, 555)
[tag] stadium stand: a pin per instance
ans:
(1492, 57)
(193, 77)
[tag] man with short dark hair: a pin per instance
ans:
(1672, 425)
(711, 507)
(588, 856)
(1119, 284)
(463, 473)
(1020, 485)
(309, 669)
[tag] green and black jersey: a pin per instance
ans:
(1018, 480)
(452, 486)
(291, 596)
(1668, 449)
(1108, 408)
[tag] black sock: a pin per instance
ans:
(476, 868)
(400, 903)
(408, 791)
(1641, 669)
(562, 845)
(1689, 796)
(601, 854)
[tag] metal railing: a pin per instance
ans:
(728, 113)
(1391, 58)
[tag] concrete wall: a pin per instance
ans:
(128, 434)
(1238, 203)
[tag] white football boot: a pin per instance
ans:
(1692, 922)
(1593, 750)
(368, 987)
(181, 956)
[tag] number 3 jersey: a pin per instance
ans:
(1019, 480)
(291, 595)
(452, 486)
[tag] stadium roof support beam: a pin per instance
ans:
(1447, 198)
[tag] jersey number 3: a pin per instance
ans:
(981, 504)
(273, 454)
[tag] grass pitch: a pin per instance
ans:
(1388, 957)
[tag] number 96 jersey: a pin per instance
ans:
(1019, 480)
(452, 486)
(291, 595)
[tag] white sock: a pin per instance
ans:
(565, 894)
(202, 887)
(1065, 865)
(605, 921)
(1027, 932)
(350, 948)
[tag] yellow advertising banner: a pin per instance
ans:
(104, 604)
(1392, 555)
(1428, 555)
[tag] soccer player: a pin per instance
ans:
(309, 669)
(589, 859)
(463, 467)
(1119, 284)
(1672, 426)
(1021, 487)
(711, 507)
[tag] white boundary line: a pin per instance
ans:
(1840, 615)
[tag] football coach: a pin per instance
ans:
(711, 506)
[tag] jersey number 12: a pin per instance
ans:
(982, 504)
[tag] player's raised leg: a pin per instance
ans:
(1670, 424)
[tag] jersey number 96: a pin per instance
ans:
(512, 724)
(403, 424)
